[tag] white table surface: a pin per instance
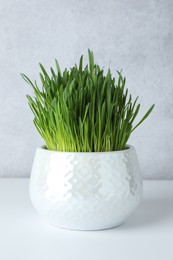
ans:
(147, 234)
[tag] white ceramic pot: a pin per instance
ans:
(85, 191)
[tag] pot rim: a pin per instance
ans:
(128, 149)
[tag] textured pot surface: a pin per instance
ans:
(85, 191)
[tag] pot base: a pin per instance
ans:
(89, 229)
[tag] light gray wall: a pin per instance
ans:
(135, 35)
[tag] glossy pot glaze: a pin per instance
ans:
(85, 191)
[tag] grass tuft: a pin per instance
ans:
(83, 109)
